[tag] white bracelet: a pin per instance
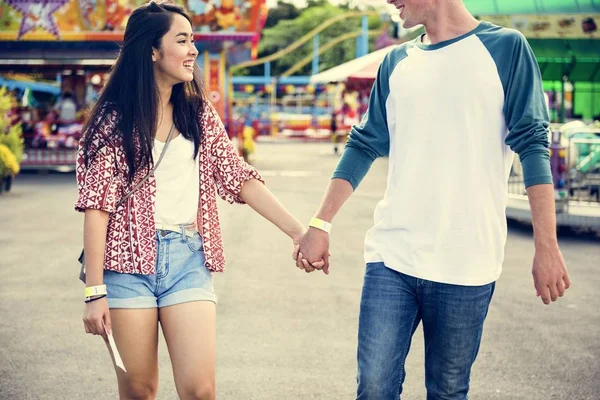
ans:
(320, 224)
(91, 291)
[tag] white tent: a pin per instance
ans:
(364, 67)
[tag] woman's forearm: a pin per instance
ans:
(94, 242)
(260, 198)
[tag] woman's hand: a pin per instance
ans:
(96, 317)
(296, 239)
(299, 258)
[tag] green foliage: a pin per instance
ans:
(9, 163)
(11, 135)
(283, 11)
(3, 169)
(287, 31)
(14, 141)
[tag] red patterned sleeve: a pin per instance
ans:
(98, 183)
(229, 169)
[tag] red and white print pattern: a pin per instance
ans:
(130, 241)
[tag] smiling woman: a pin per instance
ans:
(163, 31)
(151, 234)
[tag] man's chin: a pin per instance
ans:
(408, 24)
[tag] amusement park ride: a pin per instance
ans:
(301, 107)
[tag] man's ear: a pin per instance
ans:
(154, 54)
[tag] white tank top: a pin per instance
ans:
(177, 182)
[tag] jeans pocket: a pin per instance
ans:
(194, 242)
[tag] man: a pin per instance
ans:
(449, 109)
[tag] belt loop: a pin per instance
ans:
(183, 238)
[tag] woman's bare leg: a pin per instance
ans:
(190, 333)
(136, 336)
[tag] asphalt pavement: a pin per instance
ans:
(281, 334)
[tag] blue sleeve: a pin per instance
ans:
(369, 139)
(524, 105)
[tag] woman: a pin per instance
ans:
(153, 238)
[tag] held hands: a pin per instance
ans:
(311, 251)
(550, 275)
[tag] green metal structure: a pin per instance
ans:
(560, 59)
(508, 7)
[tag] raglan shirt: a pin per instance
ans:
(449, 116)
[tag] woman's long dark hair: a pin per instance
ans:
(132, 92)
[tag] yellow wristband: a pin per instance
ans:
(95, 290)
(320, 224)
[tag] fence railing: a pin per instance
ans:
(582, 174)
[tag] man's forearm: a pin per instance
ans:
(338, 191)
(543, 214)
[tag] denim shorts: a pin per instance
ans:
(180, 276)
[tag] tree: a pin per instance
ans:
(282, 12)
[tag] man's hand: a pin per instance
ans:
(550, 275)
(314, 247)
(297, 256)
(313, 251)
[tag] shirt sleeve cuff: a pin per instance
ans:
(353, 166)
(347, 177)
(536, 169)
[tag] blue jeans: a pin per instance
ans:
(392, 305)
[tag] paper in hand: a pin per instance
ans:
(113, 348)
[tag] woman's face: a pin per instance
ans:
(174, 61)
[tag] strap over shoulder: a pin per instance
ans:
(151, 172)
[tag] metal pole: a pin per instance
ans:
(573, 100)
(593, 89)
(267, 72)
(273, 104)
(365, 35)
(562, 100)
(315, 61)
(362, 41)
